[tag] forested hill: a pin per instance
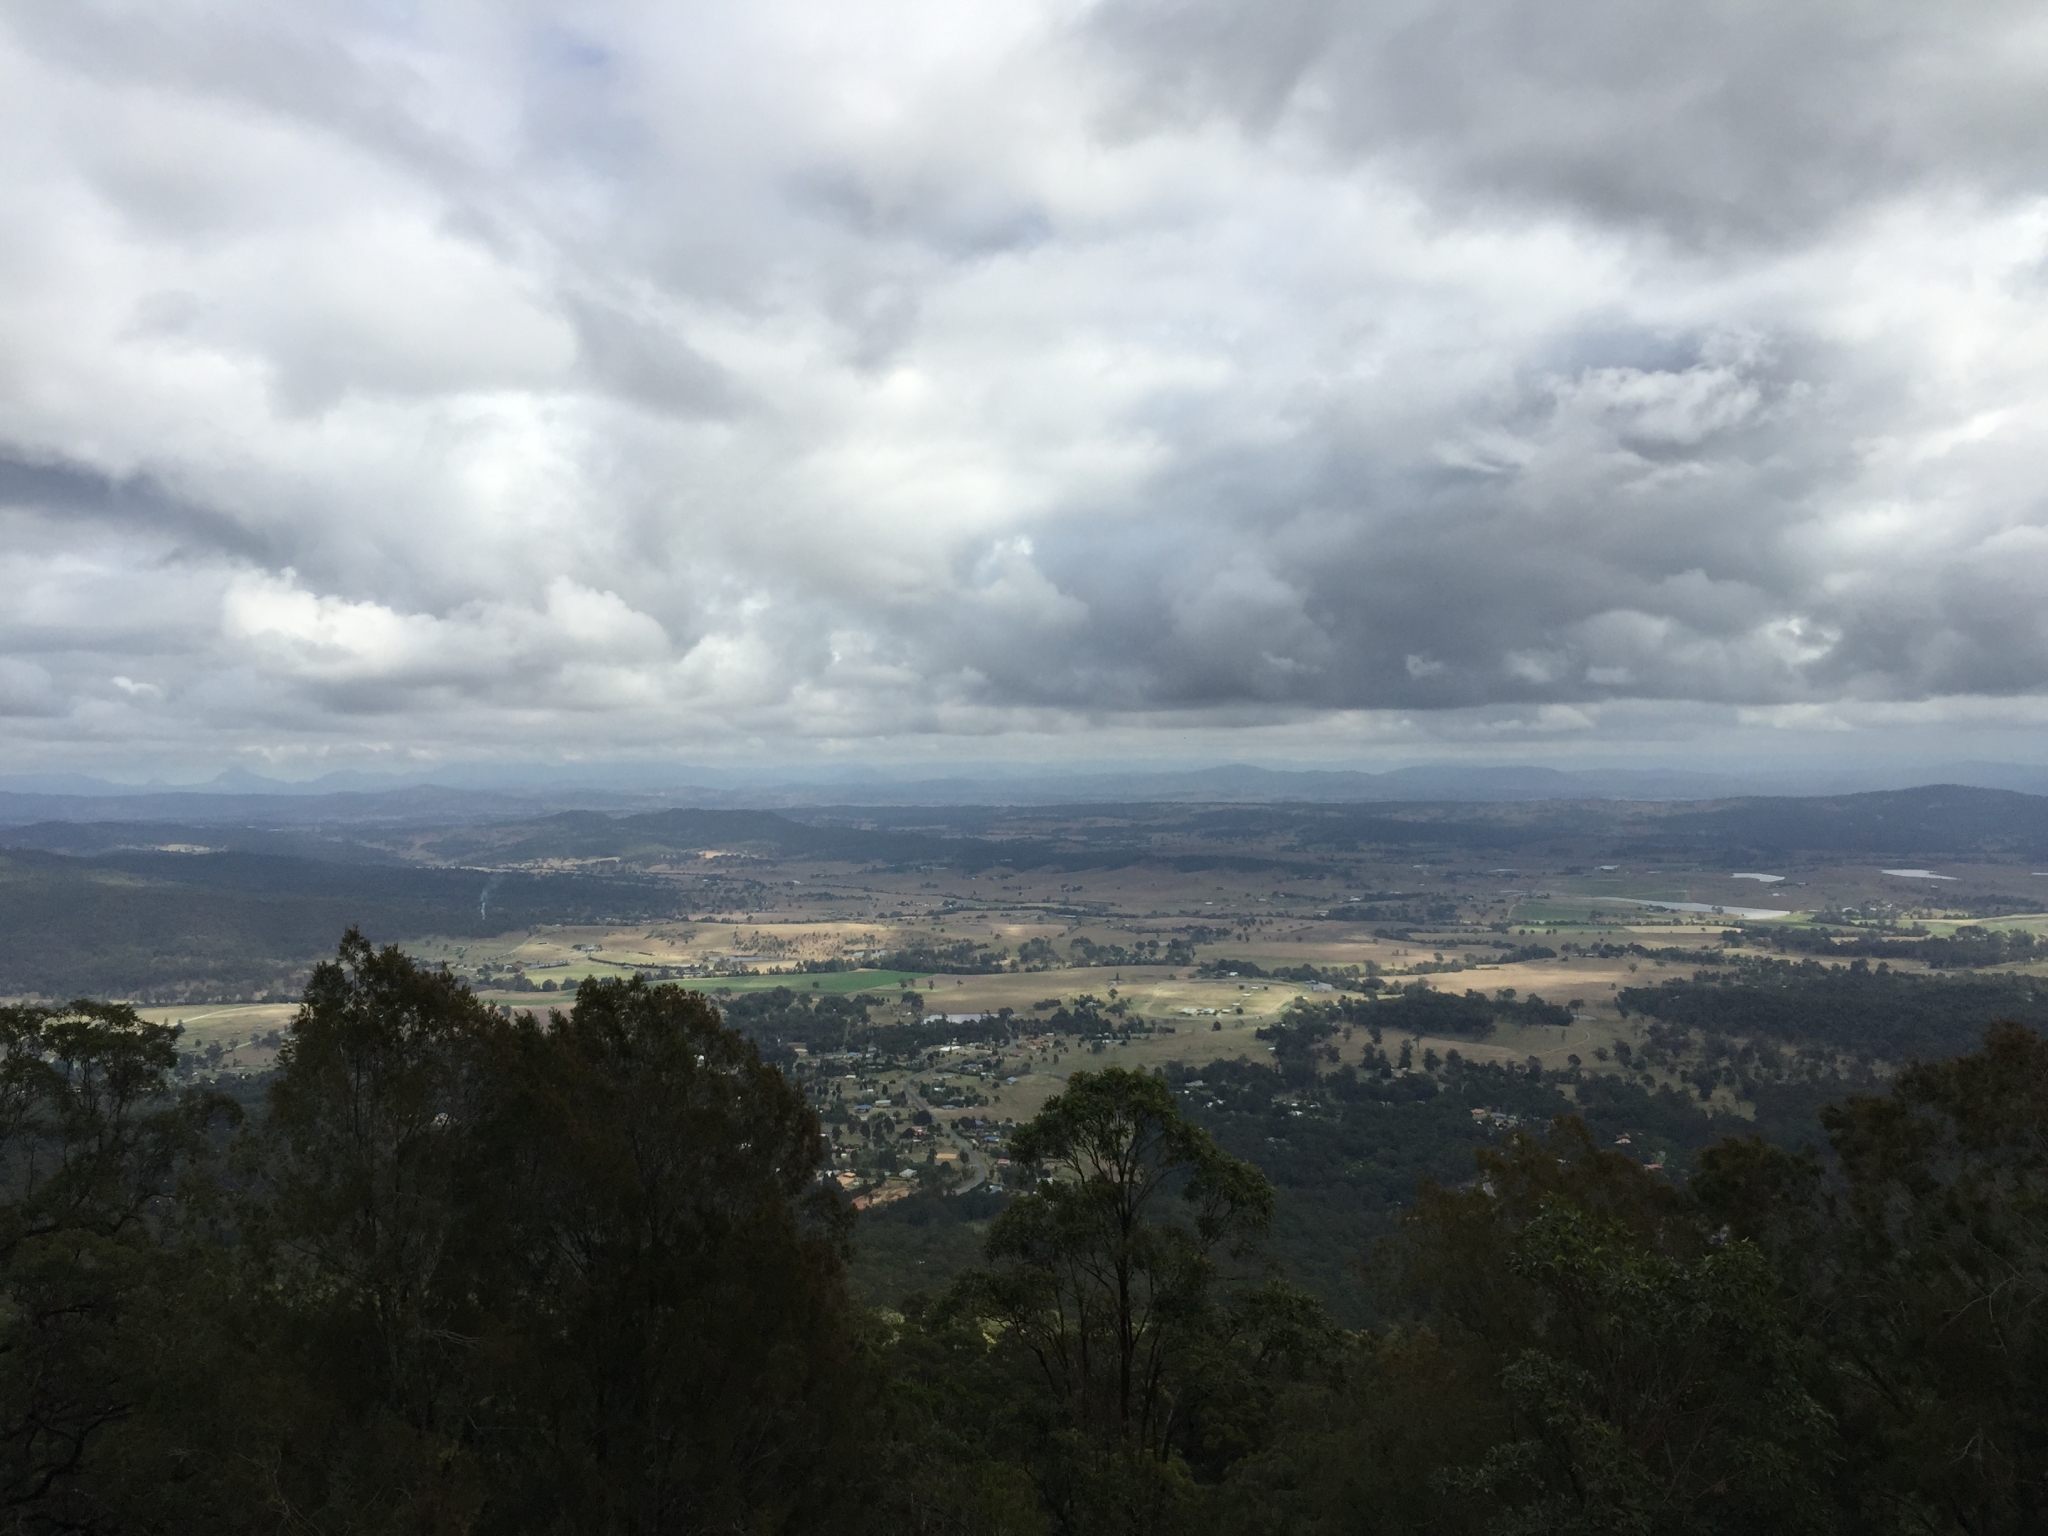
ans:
(1935, 822)
(154, 924)
(654, 836)
(1949, 821)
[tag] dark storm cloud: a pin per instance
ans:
(400, 378)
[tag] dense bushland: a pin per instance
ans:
(464, 1273)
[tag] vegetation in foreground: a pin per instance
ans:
(467, 1273)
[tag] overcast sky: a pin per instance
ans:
(388, 382)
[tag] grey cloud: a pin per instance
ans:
(642, 374)
(47, 488)
(352, 70)
(640, 358)
(1706, 122)
(1641, 542)
(955, 215)
(25, 690)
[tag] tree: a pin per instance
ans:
(1101, 1285)
(1920, 1277)
(564, 1276)
(1648, 1375)
(373, 1219)
(685, 1353)
(93, 1286)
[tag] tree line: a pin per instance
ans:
(464, 1273)
(1857, 1009)
(1972, 947)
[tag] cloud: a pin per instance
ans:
(1711, 124)
(644, 379)
(25, 689)
(565, 652)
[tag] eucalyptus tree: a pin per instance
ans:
(1101, 1288)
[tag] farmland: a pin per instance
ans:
(933, 977)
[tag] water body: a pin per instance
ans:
(1918, 874)
(1764, 879)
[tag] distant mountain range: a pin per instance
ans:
(496, 792)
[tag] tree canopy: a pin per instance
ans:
(467, 1272)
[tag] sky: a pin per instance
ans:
(1580, 381)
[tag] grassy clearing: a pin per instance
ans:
(204, 1022)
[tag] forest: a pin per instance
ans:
(1857, 1008)
(458, 1271)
